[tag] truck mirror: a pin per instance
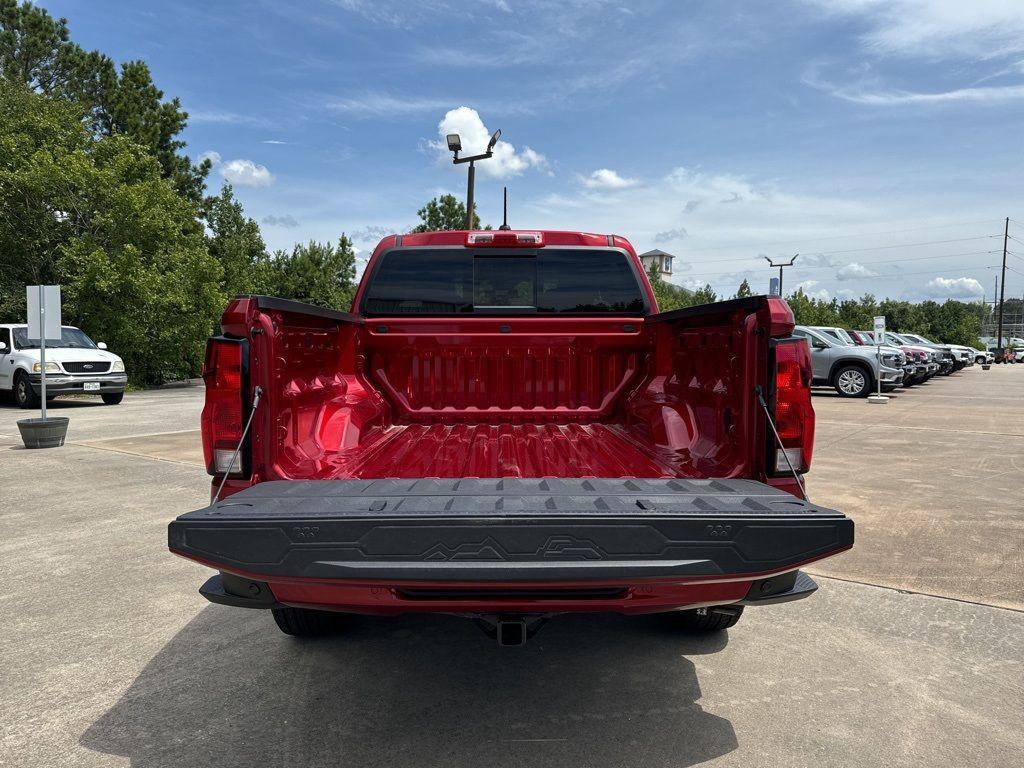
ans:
(102, 345)
(3, 346)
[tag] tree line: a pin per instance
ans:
(950, 322)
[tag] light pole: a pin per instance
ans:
(455, 146)
(781, 265)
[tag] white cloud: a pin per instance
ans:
(240, 172)
(954, 288)
(220, 117)
(246, 173)
(606, 178)
(371, 233)
(853, 270)
(395, 13)
(936, 28)
(273, 141)
(933, 30)
(821, 294)
(505, 162)
(883, 98)
(724, 242)
(819, 260)
(386, 105)
(669, 235)
(285, 220)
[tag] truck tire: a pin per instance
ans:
(303, 622)
(24, 395)
(112, 398)
(852, 381)
(708, 619)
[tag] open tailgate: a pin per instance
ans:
(510, 530)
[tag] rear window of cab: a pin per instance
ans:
(457, 281)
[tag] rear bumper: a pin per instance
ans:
(391, 546)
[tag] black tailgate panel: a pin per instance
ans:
(510, 529)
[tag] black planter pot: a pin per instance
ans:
(43, 433)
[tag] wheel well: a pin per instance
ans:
(840, 364)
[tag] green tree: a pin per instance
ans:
(744, 290)
(36, 52)
(669, 296)
(316, 273)
(444, 213)
(705, 295)
(857, 314)
(95, 215)
(235, 241)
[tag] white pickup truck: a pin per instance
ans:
(74, 365)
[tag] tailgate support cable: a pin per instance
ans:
(778, 440)
(256, 395)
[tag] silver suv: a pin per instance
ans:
(853, 371)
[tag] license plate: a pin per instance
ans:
(91, 386)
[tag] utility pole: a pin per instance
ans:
(1002, 285)
(470, 184)
(781, 265)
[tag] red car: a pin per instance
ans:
(505, 427)
(924, 358)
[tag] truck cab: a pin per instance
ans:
(504, 426)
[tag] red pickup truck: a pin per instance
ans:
(506, 428)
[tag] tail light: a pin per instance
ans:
(794, 415)
(224, 411)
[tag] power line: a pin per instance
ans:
(904, 245)
(847, 236)
(856, 250)
(867, 263)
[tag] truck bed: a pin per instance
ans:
(505, 450)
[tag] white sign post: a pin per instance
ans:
(879, 334)
(43, 323)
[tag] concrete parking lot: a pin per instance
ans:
(910, 653)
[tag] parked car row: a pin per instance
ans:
(850, 361)
(1013, 352)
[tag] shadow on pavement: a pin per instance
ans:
(229, 689)
(56, 404)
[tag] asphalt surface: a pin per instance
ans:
(110, 657)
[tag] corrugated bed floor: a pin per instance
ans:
(506, 450)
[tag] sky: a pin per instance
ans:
(878, 139)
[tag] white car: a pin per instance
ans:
(74, 365)
(1017, 343)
